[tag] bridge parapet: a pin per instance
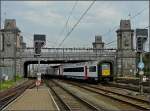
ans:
(69, 52)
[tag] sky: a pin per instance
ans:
(49, 18)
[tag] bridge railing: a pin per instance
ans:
(71, 52)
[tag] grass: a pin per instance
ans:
(7, 84)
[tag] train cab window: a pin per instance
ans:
(92, 69)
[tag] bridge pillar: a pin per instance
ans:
(126, 57)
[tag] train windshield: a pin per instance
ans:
(105, 69)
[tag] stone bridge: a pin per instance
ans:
(65, 55)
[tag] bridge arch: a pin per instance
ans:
(26, 63)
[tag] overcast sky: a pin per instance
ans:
(49, 17)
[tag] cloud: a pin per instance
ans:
(50, 17)
(37, 3)
(47, 18)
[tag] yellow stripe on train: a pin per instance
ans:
(105, 72)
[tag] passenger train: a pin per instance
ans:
(88, 71)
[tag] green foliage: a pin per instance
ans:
(9, 83)
(18, 77)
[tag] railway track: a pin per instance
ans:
(11, 94)
(129, 86)
(136, 102)
(133, 81)
(117, 91)
(70, 100)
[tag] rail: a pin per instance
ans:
(138, 103)
(13, 93)
(71, 106)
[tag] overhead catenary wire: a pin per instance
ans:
(116, 40)
(75, 25)
(140, 12)
(111, 42)
(66, 24)
(132, 17)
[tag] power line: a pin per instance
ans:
(131, 18)
(110, 30)
(65, 26)
(77, 23)
(111, 42)
(73, 8)
(116, 40)
(138, 13)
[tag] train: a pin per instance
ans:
(92, 71)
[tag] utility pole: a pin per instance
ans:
(149, 27)
(0, 72)
(141, 73)
(116, 59)
(38, 64)
(15, 50)
(141, 36)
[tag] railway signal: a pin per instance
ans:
(37, 48)
(39, 42)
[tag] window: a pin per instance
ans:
(77, 69)
(92, 69)
(105, 66)
(2, 42)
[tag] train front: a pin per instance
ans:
(105, 71)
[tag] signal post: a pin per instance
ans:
(39, 42)
(141, 37)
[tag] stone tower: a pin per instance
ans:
(10, 37)
(126, 57)
(125, 35)
(10, 48)
(98, 44)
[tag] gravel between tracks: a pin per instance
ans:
(91, 97)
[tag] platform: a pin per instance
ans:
(32, 99)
